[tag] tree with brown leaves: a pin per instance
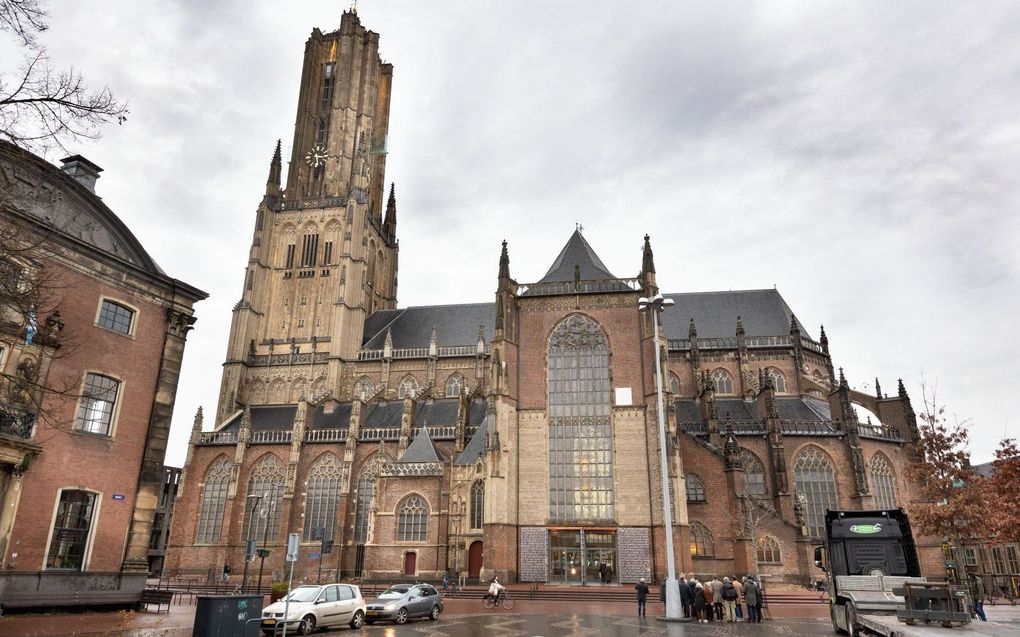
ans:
(1004, 491)
(40, 106)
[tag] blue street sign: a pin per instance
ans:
(314, 555)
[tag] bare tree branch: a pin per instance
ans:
(23, 18)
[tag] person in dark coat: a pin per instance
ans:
(699, 603)
(602, 572)
(642, 595)
(685, 597)
(751, 598)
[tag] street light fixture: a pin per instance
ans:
(657, 303)
(249, 553)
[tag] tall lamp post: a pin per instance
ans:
(249, 553)
(264, 552)
(657, 304)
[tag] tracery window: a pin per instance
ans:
(454, 385)
(364, 388)
(768, 550)
(778, 380)
(580, 440)
(366, 492)
(754, 473)
(413, 520)
(322, 494)
(695, 488)
(883, 482)
(674, 384)
(71, 529)
(816, 482)
(265, 481)
(702, 542)
(408, 388)
(477, 504)
(98, 399)
(722, 381)
(214, 500)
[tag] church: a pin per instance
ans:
(516, 437)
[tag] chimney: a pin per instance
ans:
(84, 171)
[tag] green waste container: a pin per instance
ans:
(227, 616)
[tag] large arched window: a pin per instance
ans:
(580, 440)
(883, 482)
(266, 481)
(366, 492)
(695, 488)
(454, 385)
(477, 504)
(816, 483)
(408, 388)
(413, 520)
(322, 494)
(702, 542)
(214, 500)
(722, 381)
(778, 380)
(768, 550)
(754, 473)
(364, 388)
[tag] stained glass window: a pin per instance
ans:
(477, 504)
(768, 549)
(754, 473)
(816, 482)
(454, 384)
(413, 520)
(722, 381)
(778, 380)
(214, 499)
(883, 482)
(322, 494)
(366, 491)
(702, 542)
(580, 440)
(266, 481)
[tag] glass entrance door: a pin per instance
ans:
(582, 557)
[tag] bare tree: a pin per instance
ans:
(41, 106)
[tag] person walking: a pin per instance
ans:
(737, 584)
(642, 596)
(978, 590)
(709, 601)
(729, 597)
(717, 603)
(699, 602)
(751, 599)
(685, 597)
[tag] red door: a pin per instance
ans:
(475, 559)
(410, 563)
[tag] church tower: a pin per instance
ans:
(322, 257)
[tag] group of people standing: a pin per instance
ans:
(714, 600)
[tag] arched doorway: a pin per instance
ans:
(410, 563)
(475, 559)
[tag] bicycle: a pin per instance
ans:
(504, 599)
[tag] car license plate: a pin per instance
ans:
(268, 622)
(374, 612)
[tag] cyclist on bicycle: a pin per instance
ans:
(495, 591)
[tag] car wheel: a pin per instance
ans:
(402, 616)
(357, 620)
(434, 615)
(307, 626)
(875, 570)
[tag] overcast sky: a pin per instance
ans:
(860, 156)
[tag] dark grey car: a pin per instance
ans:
(403, 601)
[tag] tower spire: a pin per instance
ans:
(390, 222)
(504, 263)
(273, 182)
(647, 262)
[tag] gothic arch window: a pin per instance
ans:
(580, 439)
(257, 391)
(454, 385)
(265, 481)
(754, 473)
(298, 390)
(408, 388)
(364, 388)
(768, 550)
(695, 488)
(702, 542)
(413, 520)
(319, 388)
(322, 494)
(277, 391)
(674, 384)
(477, 504)
(722, 381)
(883, 482)
(816, 483)
(366, 492)
(778, 380)
(214, 500)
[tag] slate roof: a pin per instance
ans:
(577, 252)
(475, 447)
(687, 411)
(789, 407)
(421, 449)
(736, 409)
(762, 313)
(339, 419)
(412, 327)
(384, 414)
(265, 418)
(803, 409)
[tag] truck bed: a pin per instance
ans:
(890, 626)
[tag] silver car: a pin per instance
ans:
(316, 606)
(404, 601)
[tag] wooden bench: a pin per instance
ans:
(157, 596)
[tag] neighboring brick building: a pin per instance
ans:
(517, 437)
(89, 378)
